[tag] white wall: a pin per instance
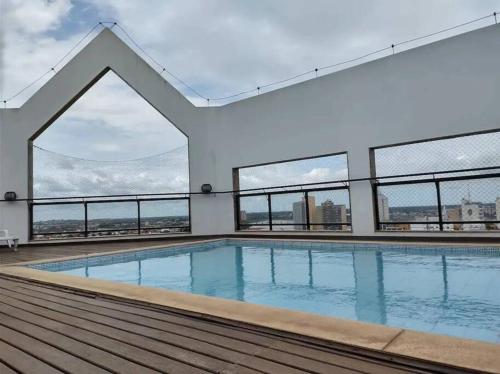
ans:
(447, 88)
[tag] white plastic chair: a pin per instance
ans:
(11, 241)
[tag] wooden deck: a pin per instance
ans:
(50, 329)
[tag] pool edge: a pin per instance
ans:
(422, 245)
(456, 352)
(107, 253)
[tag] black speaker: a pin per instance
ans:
(206, 188)
(10, 196)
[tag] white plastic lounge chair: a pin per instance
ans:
(11, 241)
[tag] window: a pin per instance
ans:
(108, 145)
(457, 189)
(300, 195)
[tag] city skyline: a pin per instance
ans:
(328, 212)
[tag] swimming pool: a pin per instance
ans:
(450, 291)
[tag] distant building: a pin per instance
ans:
(472, 211)
(332, 213)
(452, 215)
(383, 207)
(431, 226)
(299, 212)
(489, 211)
(318, 219)
(243, 216)
(298, 215)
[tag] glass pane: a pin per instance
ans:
(331, 209)
(473, 201)
(254, 213)
(164, 216)
(289, 211)
(59, 219)
(115, 218)
(406, 204)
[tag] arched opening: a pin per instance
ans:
(110, 164)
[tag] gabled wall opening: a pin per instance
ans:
(112, 150)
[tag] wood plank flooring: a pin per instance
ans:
(50, 329)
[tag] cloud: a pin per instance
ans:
(275, 39)
(219, 47)
(58, 176)
(313, 170)
(267, 40)
(111, 122)
(32, 17)
(317, 175)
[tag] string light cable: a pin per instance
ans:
(162, 69)
(143, 158)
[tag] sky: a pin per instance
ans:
(218, 47)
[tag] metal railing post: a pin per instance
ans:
(237, 211)
(440, 210)
(138, 217)
(308, 219)
(189, 214)
(375, 206)
(270, 212)
(30, 210)
(86, 222)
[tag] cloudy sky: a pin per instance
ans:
(217, 46)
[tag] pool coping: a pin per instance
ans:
(451, 351)
(443, 245)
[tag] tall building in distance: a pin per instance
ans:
(299, 212)
(383, 207)
(472, 211)
(321, 217)
(317, 219)
(331, 213)
(454, 215)
(243, 215)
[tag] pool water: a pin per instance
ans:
(446, 291)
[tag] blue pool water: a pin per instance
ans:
(451, 291)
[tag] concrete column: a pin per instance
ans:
(14, 173)
(211, 214)
(362, 212)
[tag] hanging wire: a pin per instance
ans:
(100, 24)
(5, 101)
(173, 150)
(257, 90)
(445, 30)
(53, 68)
(162, 67)
(356, 58)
